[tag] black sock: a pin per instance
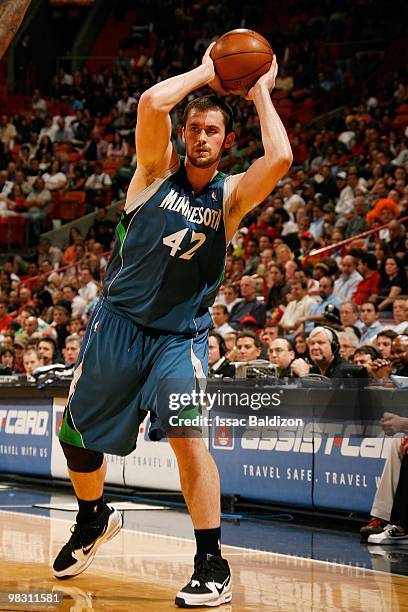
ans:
(208, 541)
(89, 510)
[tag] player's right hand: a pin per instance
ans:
(215, 82)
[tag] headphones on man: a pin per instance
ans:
(221, 342)
(335, 342)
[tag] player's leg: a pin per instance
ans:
(96, 522)
(102, 414)
(210, 584)
(200, 483)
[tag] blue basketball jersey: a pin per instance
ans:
(169, 254)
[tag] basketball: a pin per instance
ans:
(240, 57)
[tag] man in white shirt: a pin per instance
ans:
(78, 304)
(298, 308)
(345, 286)
(231, 293)
(220, 316)
(89, 289)
(369, 316)
(400, 316)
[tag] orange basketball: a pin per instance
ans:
(240, 57)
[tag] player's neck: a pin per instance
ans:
(199, 178)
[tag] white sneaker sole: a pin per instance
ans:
(114, 526)
(183, 601)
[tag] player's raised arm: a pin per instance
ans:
(253, 186)
(153, 129)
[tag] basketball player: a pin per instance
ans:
(151, 323)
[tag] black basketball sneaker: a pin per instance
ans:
(209, 586)
(79, 551)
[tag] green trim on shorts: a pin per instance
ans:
(68, 434)
(190, 413)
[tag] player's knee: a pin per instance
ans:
(81, 459)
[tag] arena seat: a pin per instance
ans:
(72, 205)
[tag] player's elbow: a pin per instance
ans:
(282, 164)
(150, 101)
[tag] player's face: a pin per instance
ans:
(205, 138)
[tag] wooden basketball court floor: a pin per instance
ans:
(142, 568)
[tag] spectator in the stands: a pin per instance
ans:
(286, 258)
(78, 304)
(89, 289)
(251, 256)
(38, 202)
(367, 288)
(281, 353)
(346, 284)
(71, 349)
(62, 132)
(55, 179)
(350, 315)
(97, 185)
(298, 308)
(400, 315)
(220, 316)
(47, 350)
(31, 361)
(231, 296)
(305, 274)
(5, 317)
(249, 305)
(248, 346)
(218, 363)
(323, 348)
(399, 355)
(357, 223)
(61, 322)
(7, 361)
(301, 347)
(278, 289)
(103, 229)
(392, 284)
(316, 314)
(369, 316)
(348, 344)
(366, 356)
(96, 147)
(118, 148)
(384, 341)
(270, 332)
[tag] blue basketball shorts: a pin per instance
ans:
(116, 378)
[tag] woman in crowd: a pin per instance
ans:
(118, 148)
(301, 347)
(286, 258)
(393, 283)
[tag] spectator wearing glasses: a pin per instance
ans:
(281, 354)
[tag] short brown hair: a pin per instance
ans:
(211, 102)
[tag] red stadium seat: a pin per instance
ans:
(72, 205)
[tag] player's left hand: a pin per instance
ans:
(392, 423)
(266, 80)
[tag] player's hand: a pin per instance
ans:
(214, 82)
(392, 423)
(266, 80)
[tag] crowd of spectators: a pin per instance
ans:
(72, 151)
